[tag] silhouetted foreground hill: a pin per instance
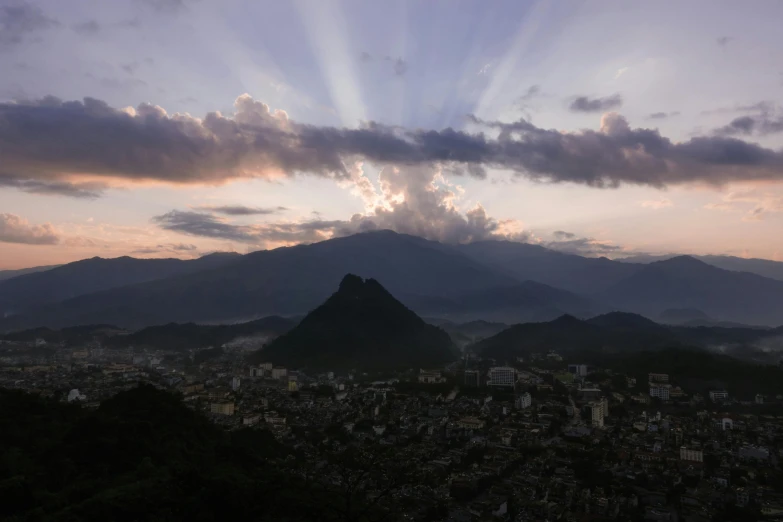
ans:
(361, 326)
(141, 456)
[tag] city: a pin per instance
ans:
(545, 438)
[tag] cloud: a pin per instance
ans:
(165, 6)
(662, 115)
(14, 229)
(561, 234)
(178, 248)
(130, 68)
(761, 125)
(620, 72)
(88, 28)
(50, 140)
(20, 20)
(763, 204)
(400, 67)
(657, 204)
(761, 107)
(585, 104)
(89, 190)
(365, 57)
(569, 243)
(412, 200)
(724, 40)
(240, 210)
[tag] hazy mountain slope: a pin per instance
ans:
(284, 281)
(8, 274)
(524, 302)
(570, 272)
(685, 282)
(762, 267)
(94, 275)
(361, 326)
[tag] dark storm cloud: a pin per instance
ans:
(364, 56)
(662, 115)
(20, 20)
(761, 125)
(585, 104)
(48, 140)
(240, 210)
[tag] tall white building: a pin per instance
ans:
(235, 382)
(524, 401)
(662, 391)
(596, 413)
(579, 370)
(502, 376)
(694, 455)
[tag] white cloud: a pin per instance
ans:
(657, 204)
(15, 229)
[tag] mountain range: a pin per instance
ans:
(498, 281)
(621, 332)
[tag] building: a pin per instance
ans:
(719, 395)
(658, 377)
(524, 401)
(502, 376)
(76, 395)
(661, 391)
(235, 382)
(693, 455)
(431, 377)
(250, 420)
(596, 413)
(590, 393)
(222, 408)
(579, 370)
(293, 386)
(759, 399)
(472, 378)
(279, 373)
(257, 372)
(470, 423)
(605, 406)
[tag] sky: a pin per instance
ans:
(176, 128)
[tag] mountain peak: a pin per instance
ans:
(351, 284)
(361, 324)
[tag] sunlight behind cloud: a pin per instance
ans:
(327, 32)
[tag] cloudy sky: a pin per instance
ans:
(174, 128)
